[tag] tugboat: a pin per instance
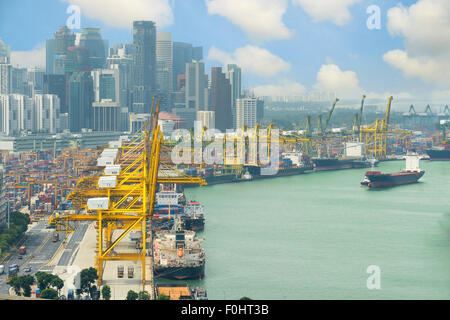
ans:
(193, 216)
(411, 174)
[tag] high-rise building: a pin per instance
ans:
(36, 77)
(47, 113)
(221, 99)
(91, 38)
(144, 39)
(259, 110)
(56, 84)
(20, 83)
(106, 85)
(184, 53)
(124, 64)
(17, 114)
(195, 85)
(106, 107)
(5, 53)
(57, 48)
(5, 78)
(206, 118)
(164, 60)
(234, 76)
(81, 96)
(246, 112)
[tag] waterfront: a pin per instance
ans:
(313, 236)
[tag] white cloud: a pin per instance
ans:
(259, 19)
(425, 27)
(331, 78)
(335, 11)
(121, 14)
(286, 88)
(31, 58)
(252, 60)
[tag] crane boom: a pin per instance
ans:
(360, 113)
(388, 113)
(330, 113)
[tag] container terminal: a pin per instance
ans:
(108, 206)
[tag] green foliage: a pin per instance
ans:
(163, 297)
(131, 295)
(106, 292)
(245, 298)
(46, 280)
(49, 293)
(24, 283)
(143, 295)
(18, 225)
(87, 278)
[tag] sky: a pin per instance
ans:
(284, 47)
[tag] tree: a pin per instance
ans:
(57, 282)
(49, 293)
(245, 298)
(27, 282)
(87, 278)
(106, 292)
(15, 283)
(24, 283)
(43, 280)
(143, 295)
(131, 295)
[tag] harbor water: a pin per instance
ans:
(313, 236)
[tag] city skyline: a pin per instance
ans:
(288, 54)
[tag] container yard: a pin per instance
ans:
(128, 211)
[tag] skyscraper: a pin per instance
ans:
(195, 85)
(81, 96)
(16, 113)
(184, 53)
(234, 76)
(5, 52)
(56, 84)
(144, 39)
(57, 48)
(91, 38)
(164, 69)
(124, 64)
(46, 113)
(221, 99)
(5, 78)
(246, 112)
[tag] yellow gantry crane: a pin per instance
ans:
(374, 136)
(128, 203)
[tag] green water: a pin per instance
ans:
(313, 236)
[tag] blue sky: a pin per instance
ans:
(352, 47)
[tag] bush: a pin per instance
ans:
(49, 294)
(143, 295)
(131, 295)
(106, 292)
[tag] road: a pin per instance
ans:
(73, 244)
(40, 249)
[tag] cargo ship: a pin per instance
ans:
(178, 254)
(291, 163)
(411, 174)
(193, 216)
(170, 205)
(439, 153)
(325, 164)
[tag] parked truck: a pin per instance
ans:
(120, 272)
(22, 250)
(2, 269)
(130, 272)
(55, 237)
